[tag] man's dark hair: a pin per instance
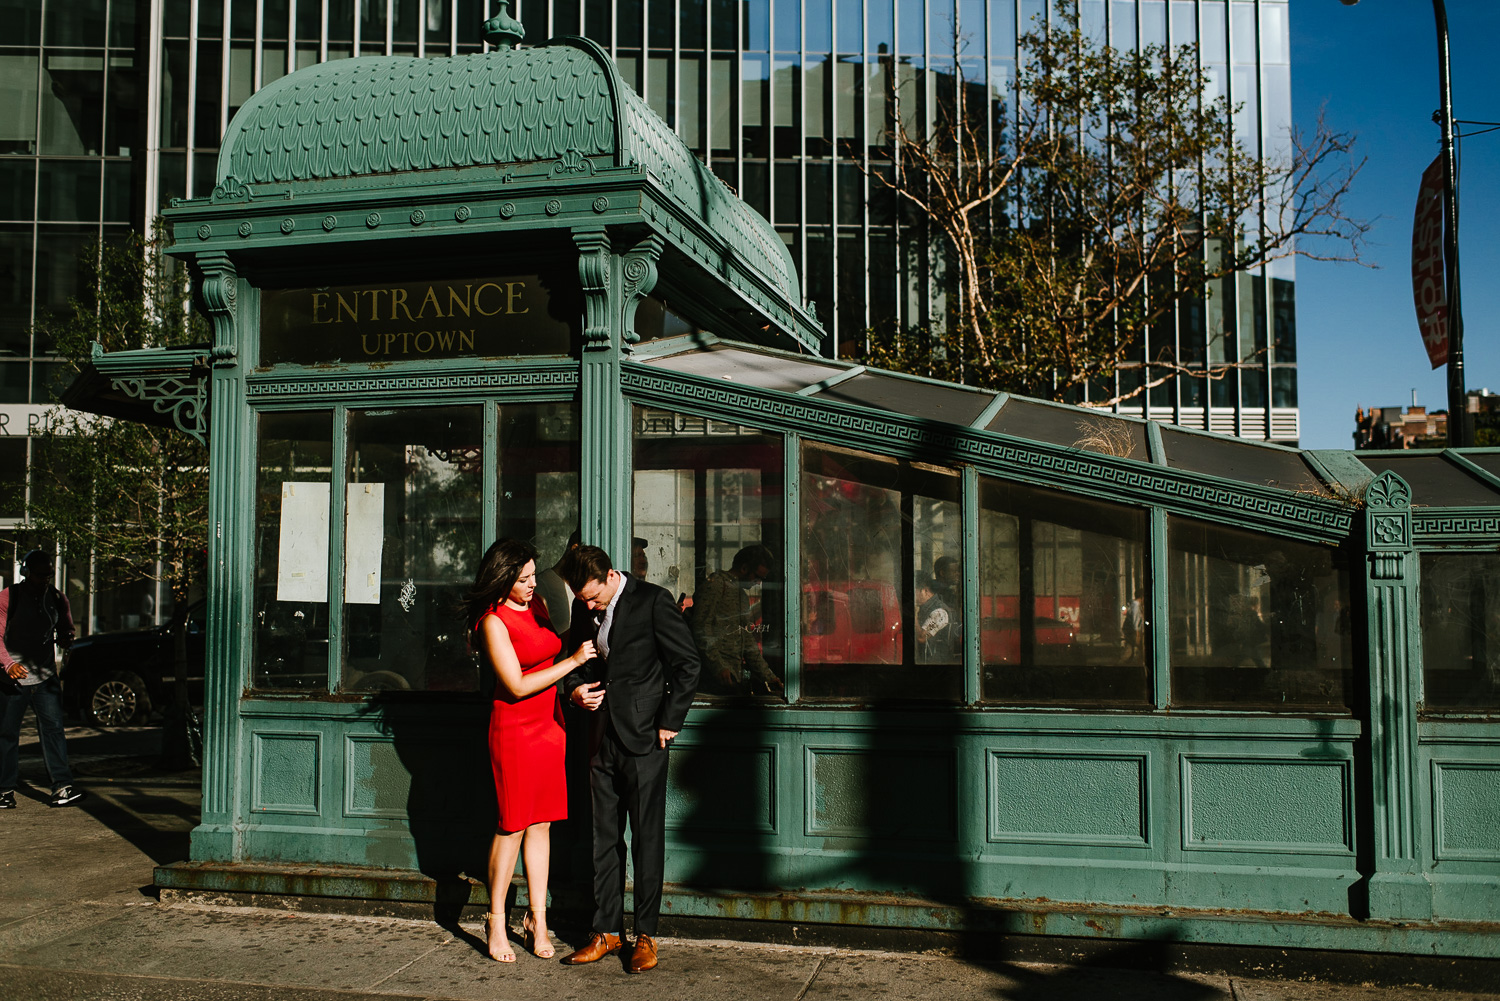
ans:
(753, 558)
(584, 564)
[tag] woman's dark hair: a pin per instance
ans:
(498, 573)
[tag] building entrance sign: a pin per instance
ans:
(458, 318)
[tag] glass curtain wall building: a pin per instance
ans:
(110, 108)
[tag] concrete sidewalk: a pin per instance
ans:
(79, 919)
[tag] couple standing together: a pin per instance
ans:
(634, 669)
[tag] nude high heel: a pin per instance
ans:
(491, 920)
(529, 938)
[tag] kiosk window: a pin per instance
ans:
(1461, 631)
(1256, 621)
(412, 538)
(1063, 598)
(708, 528)
(294, 470)
(881, 583)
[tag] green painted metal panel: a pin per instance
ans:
(887, 794)
(286, 769)
(1466, 809)
(1267, 805)
(1082, 798)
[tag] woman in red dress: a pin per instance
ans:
(526, 734)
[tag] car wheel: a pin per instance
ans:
(116, 700)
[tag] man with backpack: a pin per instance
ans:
(34, 619)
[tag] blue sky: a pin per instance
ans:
(1374, 70)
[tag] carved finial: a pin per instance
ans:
(503, 31)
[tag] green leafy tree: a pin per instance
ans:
(1111, 192)
(132, 496)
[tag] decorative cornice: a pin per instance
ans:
(1290, 514)
(520, 380)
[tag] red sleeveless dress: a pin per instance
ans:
(527, 745)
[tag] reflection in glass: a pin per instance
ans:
(708, 525)
(412, 539)
(1063, 598)
(1256, 621)
(289, 632)
(879, 541)
(1461, 631)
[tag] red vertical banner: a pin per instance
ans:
(1427, 278)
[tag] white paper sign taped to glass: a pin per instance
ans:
(302, 567)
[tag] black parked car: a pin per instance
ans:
(112, 679)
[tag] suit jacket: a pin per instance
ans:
(652, 670)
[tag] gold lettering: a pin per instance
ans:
(405, 336)
(445, 339)
(511, 295)
(390, 339)
(480, 289)
(345, 307)
(319, 300)
(398, 298)
(364, 342)
(466, 341)
(421, 334)
(455, 303)
(375, 294)
(437, 307)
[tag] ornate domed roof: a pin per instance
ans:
(561, 102)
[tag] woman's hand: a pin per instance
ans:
(584, 653)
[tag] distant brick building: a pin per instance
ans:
(1415, 427)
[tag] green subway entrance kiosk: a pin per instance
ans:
(1015, 667)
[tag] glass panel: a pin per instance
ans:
(908, 396)
(538, 488)
(1461, 630)
(68, 191)
(206, 106)
(23, 21)
(59, 265)
(15, 381)
(1219, 455)
(879, 541)
(75, 22)
(1257, 622)
(15, 289)
(13, 476)
(412, 541)
(174, 95)
(72, 112)
(289, 631)
(18, 86)
(1063, 598)
(1098, 432)
(708, 529)
(17, 190)
(1434, 482)
(747, 368)
(122, 123)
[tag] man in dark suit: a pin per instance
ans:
(637, 691)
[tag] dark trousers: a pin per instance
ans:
(45, 698)
(634, 786)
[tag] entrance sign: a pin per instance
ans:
(460, 318)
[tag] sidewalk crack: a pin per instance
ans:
(811, 977)
(408, 965)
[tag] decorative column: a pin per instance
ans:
(1397, 887)
(217, 835)
(613, 285)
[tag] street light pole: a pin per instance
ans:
(1460, 427)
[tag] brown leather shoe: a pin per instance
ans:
(643, 956)
(600, 945)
